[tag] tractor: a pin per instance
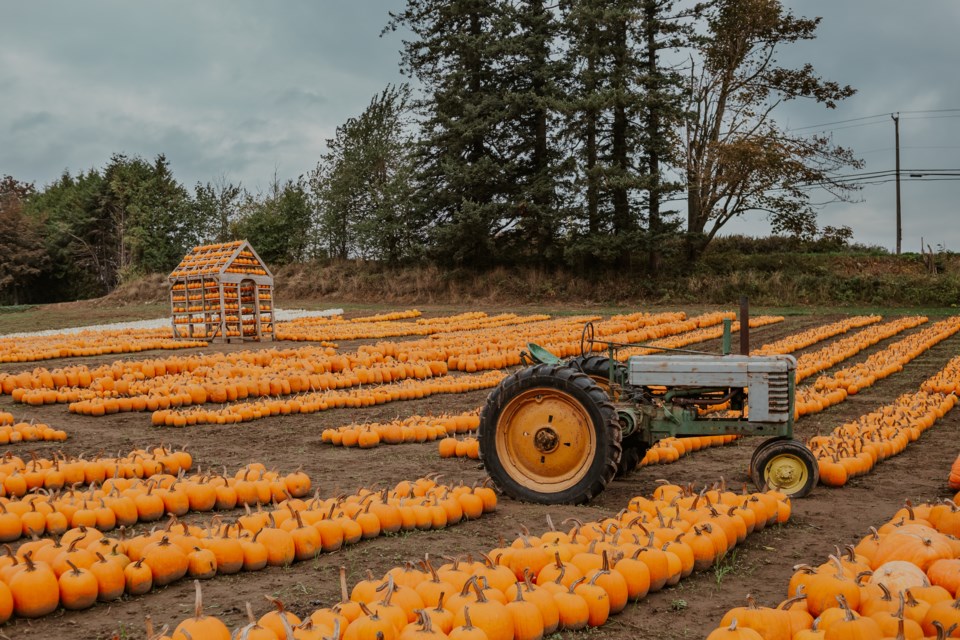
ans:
(557, 432)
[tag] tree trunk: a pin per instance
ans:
(591, 115)
(654, 257)
(542, 199)
(623, 222)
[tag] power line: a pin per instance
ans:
(827, 124)
(933, 111)
(934, 117)
(820, 127)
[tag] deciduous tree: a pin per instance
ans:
(738, 157)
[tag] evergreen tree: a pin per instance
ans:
(363, 184)
(278, 223)
(23, 255)
(155, 225)
(531, 83)
(664, 30)
(465, 175)
(216, 206)
(603, 125)
(80, 237)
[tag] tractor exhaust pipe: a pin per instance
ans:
(744, 326)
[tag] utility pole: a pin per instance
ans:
(896, 133)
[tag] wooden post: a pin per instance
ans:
(744, 326)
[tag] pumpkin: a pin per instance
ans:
(898, 575)
(467, 631)
(201, 626)
(78, 588)
(275, 620)
(527, 619)
(369, 625)
(733, 632)
(489, 615)
(167, 561)
(110, 578)
(35, 589)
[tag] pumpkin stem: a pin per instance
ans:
(848, 614)
(467, 623)
(199, 602)
(575, 584)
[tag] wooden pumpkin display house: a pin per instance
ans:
(222, 293)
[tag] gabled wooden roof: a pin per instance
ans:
(212, 260)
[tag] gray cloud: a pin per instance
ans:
(245, 88)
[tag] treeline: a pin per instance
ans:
(82, 235)
(564, 134)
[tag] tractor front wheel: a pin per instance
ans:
(785, 465)
(549, 434)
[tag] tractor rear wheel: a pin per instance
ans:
(598, 368)
(549, 434)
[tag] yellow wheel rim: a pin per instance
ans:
(545, 440)
(786, 473)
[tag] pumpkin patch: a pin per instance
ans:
(105, 528)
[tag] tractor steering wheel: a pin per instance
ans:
(586, 338)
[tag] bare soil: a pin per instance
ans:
(762, 566)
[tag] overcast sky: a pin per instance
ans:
(245, 89)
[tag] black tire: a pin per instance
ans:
(634, 449)
(598, 368)
(590, 399)
(763, 445)
(795, 450)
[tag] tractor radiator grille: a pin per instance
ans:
(778, 394)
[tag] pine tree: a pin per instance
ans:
(603, 124)
(465, 177)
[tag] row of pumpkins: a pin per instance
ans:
(495, 348)
(833, 389)
(216, 378)
(854, 448)
(120, 502)
(383, 326)
(411, 429)
(692, 337)
(810, 364)
(902, 581)
(321, 401)
(537, 585)
(90, 342)
(12, 432)
(19, 476)
(84, 566)
(813, 335)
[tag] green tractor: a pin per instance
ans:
(557, 432)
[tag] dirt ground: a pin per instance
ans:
(761, 566)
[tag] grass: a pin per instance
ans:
(73, 314)
(726, 565)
